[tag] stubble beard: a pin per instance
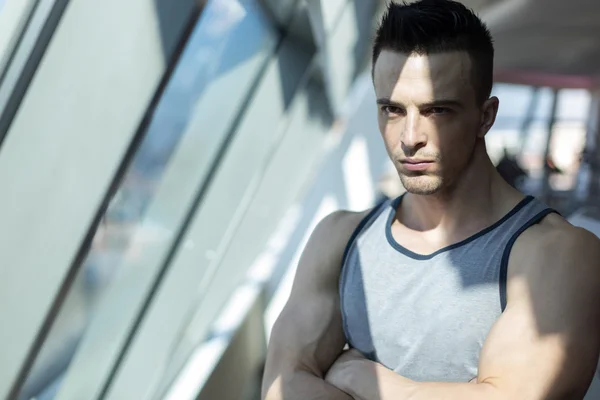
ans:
(423, 185)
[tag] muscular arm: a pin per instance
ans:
(308, 336)
(544, 346)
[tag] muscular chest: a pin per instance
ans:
(424, 320)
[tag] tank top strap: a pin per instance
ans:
(365, 223)
(533, 213)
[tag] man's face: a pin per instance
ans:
(428, 116)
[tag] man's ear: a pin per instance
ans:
(489, 110)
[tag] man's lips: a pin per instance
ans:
(416, 164)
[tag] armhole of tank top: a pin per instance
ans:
(370, 216)
(506, 254)
(374, 212)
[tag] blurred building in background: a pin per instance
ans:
(162, 164)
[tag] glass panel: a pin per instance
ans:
(13, 16)
(208, 90)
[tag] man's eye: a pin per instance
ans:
(391, 110)
(439, 110)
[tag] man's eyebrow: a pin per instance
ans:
(435, 103)
(444, 102)
(384, 101)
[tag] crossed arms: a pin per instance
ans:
(544, 346)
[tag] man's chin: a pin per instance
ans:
(422, 191)
(421, 185)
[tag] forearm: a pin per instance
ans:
(427, 391)
(370, 381)
(303, 386)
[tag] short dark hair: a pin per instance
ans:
(436, 26)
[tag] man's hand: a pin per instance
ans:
(356, 375)
(363, 379)
(345, 368)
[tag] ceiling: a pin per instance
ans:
(547, 42)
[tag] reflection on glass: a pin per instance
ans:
(223, 56)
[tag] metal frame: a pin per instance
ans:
(14, 18)
(550, 129)
(21, 65)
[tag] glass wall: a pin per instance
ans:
(195, 117)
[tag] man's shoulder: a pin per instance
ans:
(554, 233)
(321, 260)
(336, 229)
(554, 244)
(342, 220)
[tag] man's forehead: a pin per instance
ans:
(444, 74)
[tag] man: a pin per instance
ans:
(461, 289)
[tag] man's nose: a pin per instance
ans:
(413, 138)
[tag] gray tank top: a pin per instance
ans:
(426, 316)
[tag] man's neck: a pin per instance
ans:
(481, 196)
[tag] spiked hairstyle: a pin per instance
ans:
(436, 26)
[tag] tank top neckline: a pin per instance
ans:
(417, 256)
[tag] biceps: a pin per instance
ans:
(526, 362)
(307, 336)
